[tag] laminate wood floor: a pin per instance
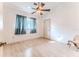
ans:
(39, 48)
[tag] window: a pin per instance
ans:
(24, 25)
(20, 25)
(31, 25)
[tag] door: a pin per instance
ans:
(47, 28)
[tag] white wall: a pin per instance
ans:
(64, 21)
(1, 51)
(1, 22)
(1, 28)
(10, 12)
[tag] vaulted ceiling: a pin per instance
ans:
(26, 6)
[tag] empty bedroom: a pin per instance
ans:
(39, 29)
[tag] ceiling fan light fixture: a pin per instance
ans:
(39, 11)
(40, 8)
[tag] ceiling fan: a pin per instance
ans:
(39, 8)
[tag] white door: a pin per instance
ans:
(47, 28)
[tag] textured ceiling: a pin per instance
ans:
(26, 6)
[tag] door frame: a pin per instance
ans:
(49, 30)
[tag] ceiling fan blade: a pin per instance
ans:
(33, 12)
(42, 4)
(38, 3)
(45, 10)
(35, 3)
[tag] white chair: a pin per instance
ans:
(74, 42)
